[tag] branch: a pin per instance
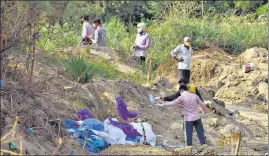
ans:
(10, 46)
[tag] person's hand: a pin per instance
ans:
(157, 105)
(136, 46)
(158, 99)
(180, 59)
(206, 117)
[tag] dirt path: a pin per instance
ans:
(249, 113)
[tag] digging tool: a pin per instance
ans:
(80, 43)
(238, 143)
(59, 146)
(149, 71)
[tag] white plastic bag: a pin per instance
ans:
(150, 136)
(117, 136)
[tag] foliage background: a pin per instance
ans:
(231, 25)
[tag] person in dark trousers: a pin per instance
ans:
(182, 54)
(87, 30)
(189, 102)
(191, 88)
(142, 43)
(100, 34)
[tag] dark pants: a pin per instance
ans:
(199, 130)
(184, 74)
(86, 40)
(141, 59)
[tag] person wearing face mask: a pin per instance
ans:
(182, 55)
(87, 30)
(142, 43)
(100, 34)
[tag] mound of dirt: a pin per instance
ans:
(51, 98)
(215, 68)
(134, 150)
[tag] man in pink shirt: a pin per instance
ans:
(189, 102)
(142, 43)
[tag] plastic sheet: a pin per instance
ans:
(126, 128)
(84, 114)
(150, 136)
(122, 110)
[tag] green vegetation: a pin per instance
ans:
(83, 70)
(231, 25)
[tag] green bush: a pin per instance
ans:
(57, 37)
(117, 36)
(83, 71)
(79, 69)
(233, 34)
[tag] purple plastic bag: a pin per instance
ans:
(126, 128)
(84, 114)
(122, 110)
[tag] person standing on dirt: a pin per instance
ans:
(191, 89)
(182, 55)
(87, 30)
(189, 102)
(100, 34)
(142, 43)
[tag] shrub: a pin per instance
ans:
(78, 69)
(83, 71)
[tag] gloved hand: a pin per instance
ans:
(157, 104)
(158, 99)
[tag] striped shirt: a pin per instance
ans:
(189, 102)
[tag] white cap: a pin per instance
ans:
(140, 25)
(187, 39)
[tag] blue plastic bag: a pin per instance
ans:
(92, 123)
(70, 123)
(151, 98)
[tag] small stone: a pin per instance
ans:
(215, 122)
(67, 88)
(201, 148)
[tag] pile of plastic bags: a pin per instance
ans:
(100, 135)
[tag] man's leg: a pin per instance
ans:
(188, 132)
(200, 131)
(187, 75)
(181, 74)
(142, 59)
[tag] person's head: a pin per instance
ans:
(84, 18)
(187, 41)
(141, 27)
(182, 82)
(183, 88)
(96, 23)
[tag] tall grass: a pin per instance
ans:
(83, 70)
(57, 37)
(232, 34)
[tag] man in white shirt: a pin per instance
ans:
(182, 55)
(87, 30)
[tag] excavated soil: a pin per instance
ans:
(52, 98)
